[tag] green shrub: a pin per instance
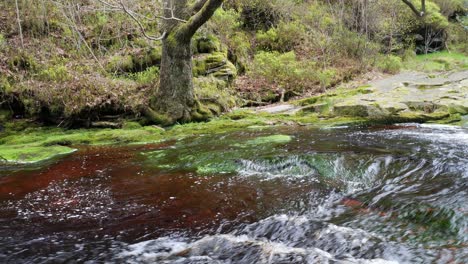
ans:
(240, 49)
(206, 44)
(284, 70)
(148, 76)
(282, 38)
(389, 64)
(325, 77)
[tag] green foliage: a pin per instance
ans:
(239, 44)
(325, 77)
(282, 38)
(23, 61)
(259, 14)
(449, 7)
(284, 70)
(436, 62)
(148, 76)
(56, 73)
(433, 16)
(206, 44)
(458, 36)
(267, 40)
(120, 64)
(226, 23)
(5, 86)
(389, 64)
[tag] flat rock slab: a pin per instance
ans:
(410, 95)
(280, 108)
(417, 78)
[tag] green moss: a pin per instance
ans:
(214, 93)
(335, 95)
(32, 154)
(120, 64)
(23, 61)
(56, 73)
(274, 139)
(207, 44)
(438, 61)
(143, 59)
(131, 125)
(212, 156)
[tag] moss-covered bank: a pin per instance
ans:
(22, 142)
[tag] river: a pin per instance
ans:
(388, 194)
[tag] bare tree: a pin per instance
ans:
(174, 100)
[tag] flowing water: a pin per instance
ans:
(395, 194)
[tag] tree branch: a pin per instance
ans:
(203, 15)
(142, 29)
(414, 9)
(198, 5)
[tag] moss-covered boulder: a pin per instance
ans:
(214, 93)
(216, 64)
(21, 154)
(206, 44)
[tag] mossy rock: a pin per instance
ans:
(147, 58)
(355, 109)
(32, 154)
(228, 72)
(215, 92)
(207, 44)
(458, 108)
(427, 107)
(215, 64)
(315, 108)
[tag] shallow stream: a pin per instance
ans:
(391, 194)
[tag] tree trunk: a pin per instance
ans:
(175, 100)
(175, 97)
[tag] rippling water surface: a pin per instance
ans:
(393, 194)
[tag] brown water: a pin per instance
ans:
(388, 193)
